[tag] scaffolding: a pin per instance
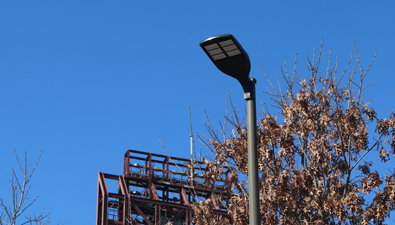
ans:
(156, 190)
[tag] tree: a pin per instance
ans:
(20, 192)
(312, 157)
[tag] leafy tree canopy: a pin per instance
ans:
(313, 166)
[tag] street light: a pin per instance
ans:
(228, 56)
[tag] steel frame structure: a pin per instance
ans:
(156, 189)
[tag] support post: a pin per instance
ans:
(253, 184)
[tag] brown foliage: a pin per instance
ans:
(311, 162)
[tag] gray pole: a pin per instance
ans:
(252, 156)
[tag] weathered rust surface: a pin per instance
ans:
(156, 189)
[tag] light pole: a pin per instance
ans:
(228, 56)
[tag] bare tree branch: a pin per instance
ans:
(20, 193)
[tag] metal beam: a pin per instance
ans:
(140, 213)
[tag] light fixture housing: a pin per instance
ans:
(229, 57)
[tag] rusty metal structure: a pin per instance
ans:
(155, 190)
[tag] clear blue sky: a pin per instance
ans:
(84, 81)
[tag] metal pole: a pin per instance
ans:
(252, 156)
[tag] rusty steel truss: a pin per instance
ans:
(155, 190)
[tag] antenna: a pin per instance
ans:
(192, 170)
(191, 140)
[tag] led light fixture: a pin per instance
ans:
(229, 57)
